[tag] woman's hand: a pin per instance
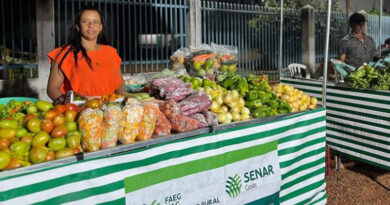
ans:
(56, 79)
(122, 89)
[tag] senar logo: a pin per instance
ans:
(233, 186)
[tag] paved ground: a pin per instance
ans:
(358, 183)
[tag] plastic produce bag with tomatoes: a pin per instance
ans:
(148, 123)
(90, 121)
(131, 117)
(226, 58)
(202, 61)
(109, 130)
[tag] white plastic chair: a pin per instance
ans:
(296, 69)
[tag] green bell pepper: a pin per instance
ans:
(273, 104)
(230, 81)
(251, 95)
(284, 107)
(261, 112)
(253, 104)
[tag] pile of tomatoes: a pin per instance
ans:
(45, 133)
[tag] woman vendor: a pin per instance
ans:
(87, 64)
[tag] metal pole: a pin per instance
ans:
(326, 55)
(281, 39)
(380, 26)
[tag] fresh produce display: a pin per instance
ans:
(37, 132)
(32, 133)
(297, 99)
(369, 77)
(227, 105)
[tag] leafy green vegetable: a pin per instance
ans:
(369, 77)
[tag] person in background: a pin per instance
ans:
(86, 64)
(357, 47)
(386, 48)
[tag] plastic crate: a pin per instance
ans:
(4, 101)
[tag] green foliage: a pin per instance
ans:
(298, 4)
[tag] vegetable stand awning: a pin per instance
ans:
(297, 142)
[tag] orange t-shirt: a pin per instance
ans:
(103, 79)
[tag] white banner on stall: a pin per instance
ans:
(249, 175)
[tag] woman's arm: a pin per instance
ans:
(56, 79)
(122, 88)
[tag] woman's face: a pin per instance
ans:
(90, 25)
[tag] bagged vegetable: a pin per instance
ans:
(196, 102)
(182, 123)
(201, 120)
(169, 108)
(90, 121)
(211, 118)
(202, 61)
(148, 123)
(226, 58)
(162, 86)
(178, 58)
(131, 117)
(163, 126)
(179, 94)
(109, 129)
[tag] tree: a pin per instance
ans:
(297, 4)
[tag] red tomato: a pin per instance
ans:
(51, 114)
(50, 156)
(28, 117)
(71, 106)
(59, 131)
(47, 125)
(70, 115)
(59, 120)
(27, 138)
(14, 163)
(4, 143)
(60, 108)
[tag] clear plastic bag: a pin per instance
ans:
(148, 123)
(138, 79)
(180, 93)
(169, 108)
(196, 102)
(182, 123)
(201, 119)
(211, 118)
(132, 115)
(90, 121)
(109, 129)
(226, 58)
(202, 61)
(179, 58)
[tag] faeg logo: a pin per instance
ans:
(233, 186)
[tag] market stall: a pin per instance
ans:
(211, 137)
(358, 122)
(297, 141)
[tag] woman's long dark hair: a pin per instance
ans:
(75, 39)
